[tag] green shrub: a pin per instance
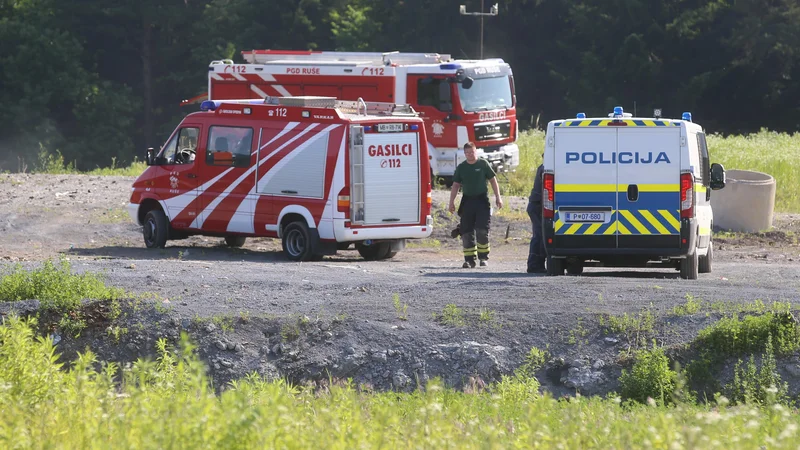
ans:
(650, 377)
(762, 385)
(731, 336)
(55, 286)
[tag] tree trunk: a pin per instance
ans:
(147, 83)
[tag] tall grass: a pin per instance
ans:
(777, 154)
(168, 403)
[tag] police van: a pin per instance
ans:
(622, 191)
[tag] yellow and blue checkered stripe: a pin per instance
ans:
(627, 222)
(653, 214)
(628, 122)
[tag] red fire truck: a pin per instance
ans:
(318, 173)
(459, 100)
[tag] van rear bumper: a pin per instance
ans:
(344, 234)
(590, 246)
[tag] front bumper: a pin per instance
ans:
(133, 211)
(504, 158)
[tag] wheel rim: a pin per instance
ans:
(149, 231)
(295, 243)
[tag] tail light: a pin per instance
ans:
(429, 199)
(548, 195)
(343, 200)
(687, 196)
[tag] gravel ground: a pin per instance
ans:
(384, 324)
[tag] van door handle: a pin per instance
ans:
(288, 192)
(633, 192)
(192, 175)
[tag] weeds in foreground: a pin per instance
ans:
(46, 405)
(451, 315)
(399, 309)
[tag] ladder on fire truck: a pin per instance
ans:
(316, 57)
(356, 107)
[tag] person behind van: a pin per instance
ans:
(475, 208)
(536, 253)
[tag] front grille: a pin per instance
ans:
(492, 131)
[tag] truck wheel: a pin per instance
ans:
(575, 268)
(155, 229)
(555, 266)
(689, 267)
(296, 242)
(374, 252)
(705, 261)
(235, 241)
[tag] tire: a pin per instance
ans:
(555, 266)
(575, 268)
(689, 266)
(296, 241)
(156, 229)
(235, 241)
(374, 252)
(705, 262)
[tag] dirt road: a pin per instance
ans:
(385, 324)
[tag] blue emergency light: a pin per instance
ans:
(687, 116)
(414, 127)
(618, 111)
(449, 66)
(581, 116)
(208, 105)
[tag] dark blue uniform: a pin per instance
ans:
(536, 253)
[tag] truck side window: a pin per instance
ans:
(181, 148)
(434, 92)
(702, 151)
(229, 146)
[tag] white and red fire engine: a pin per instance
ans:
(459, 100)
(318, 173)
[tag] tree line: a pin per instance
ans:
(100, 80)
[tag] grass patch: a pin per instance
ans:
(451, 315)
(636, 328)
(424, 243)
(649, 378)
(45, 405)
(692, 306)
(732, 336)
(55, 286)
(115, 215)
(777, 154)
(399, 309)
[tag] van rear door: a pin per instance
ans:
(648, 161)
(585, 199)
(386, 175)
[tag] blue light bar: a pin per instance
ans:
(449, 66)
(618, 111)
(208, 105)
(414, 127)
(581, 116)
(367, 128)
(687, 116)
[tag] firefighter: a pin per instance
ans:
(536, 253)
(475, 209)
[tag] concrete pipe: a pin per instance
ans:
(747, 202)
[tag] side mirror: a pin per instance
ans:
(467, 83)
(717, 176)
(150, 157)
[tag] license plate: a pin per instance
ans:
(390, 127)
(584, 217)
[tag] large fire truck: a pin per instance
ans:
(459, 100)
(317, 173)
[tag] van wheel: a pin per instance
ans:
(155, 229)
(705, 261)
(235, 241)
(555, 266)
(296, 242)
(374, 252)
(575, 268)
(689, 267)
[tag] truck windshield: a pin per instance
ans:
(486, 94)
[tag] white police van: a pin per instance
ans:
(621, 191)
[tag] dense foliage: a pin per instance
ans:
(98, 81)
